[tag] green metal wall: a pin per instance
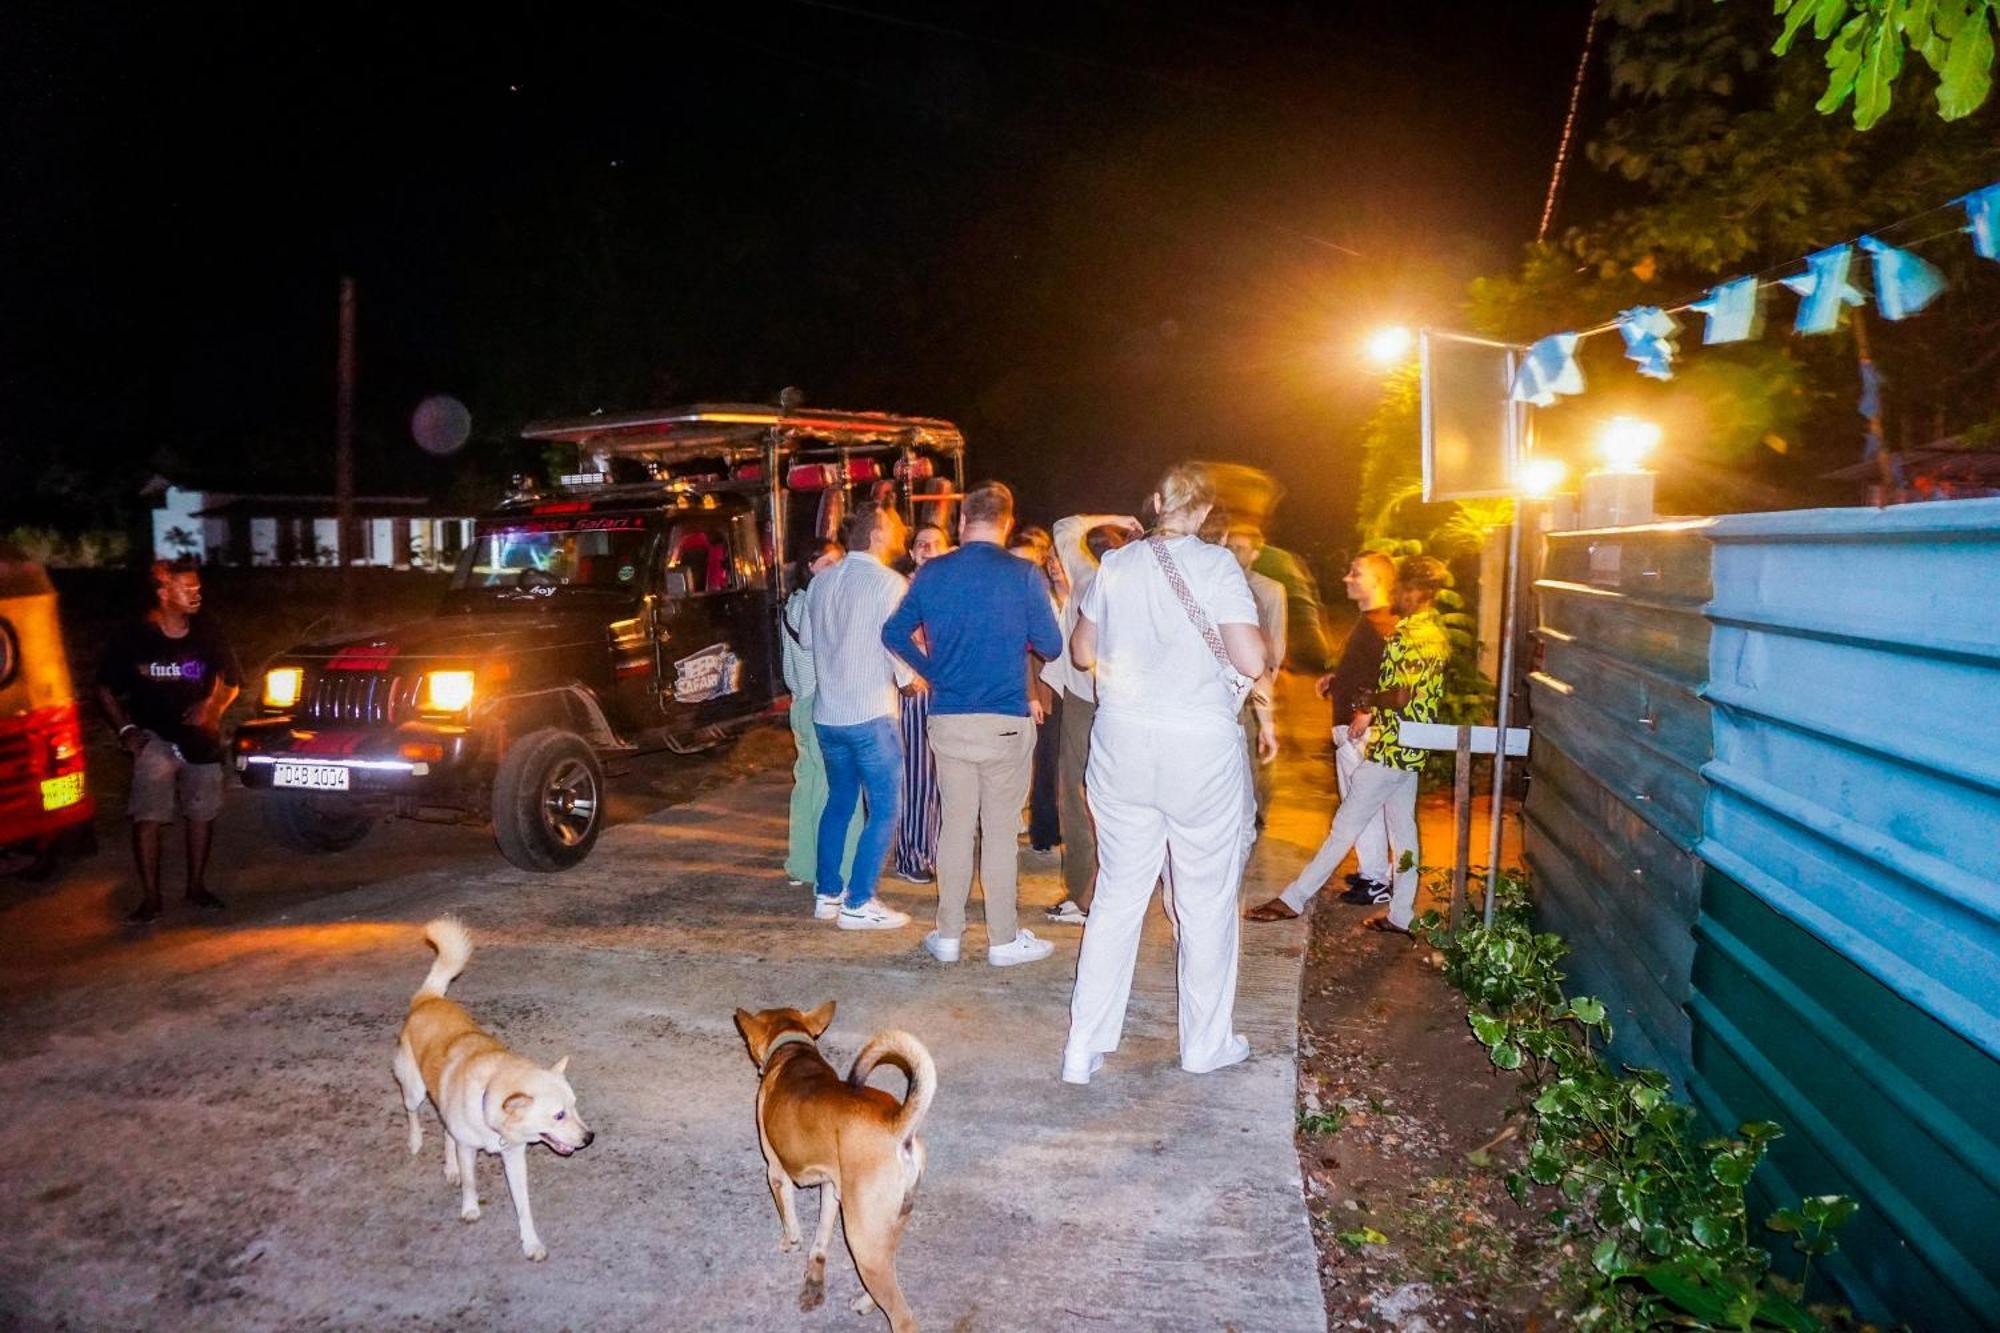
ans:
(1765, 811)
(1615, 805)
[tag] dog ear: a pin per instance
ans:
(516, 1103)
(747, 1024)
(560, 1065)
(819, 1019)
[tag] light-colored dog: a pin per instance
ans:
(489, 1099)
(858, 1144)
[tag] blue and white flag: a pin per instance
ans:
(1731, 310)
(1649, 339)
(1823, 289)
(1982, 213)
(1904, 284)
(1547, 370)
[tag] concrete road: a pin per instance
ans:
(203, 1132)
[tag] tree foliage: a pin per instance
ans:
(1867, 41)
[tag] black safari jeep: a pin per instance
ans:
(633, 608)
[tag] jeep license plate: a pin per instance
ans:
(60, 793)
(313, 777)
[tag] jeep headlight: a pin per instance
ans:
(282, 686)
(445, 692)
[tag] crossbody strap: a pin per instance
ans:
(1199, 618)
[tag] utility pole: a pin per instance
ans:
(345, 545)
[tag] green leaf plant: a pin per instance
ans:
(1658, 1206)
(1866, 41)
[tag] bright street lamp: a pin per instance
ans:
(1625, 441)
(1390, 346)
(1541, 476)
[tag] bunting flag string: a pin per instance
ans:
(1903, 285)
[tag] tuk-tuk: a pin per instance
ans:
(45, 808)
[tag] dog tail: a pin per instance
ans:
(448, 936)
(905, 1051)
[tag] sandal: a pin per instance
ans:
(1380, 921)
(1275, 910)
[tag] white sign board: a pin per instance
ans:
(1438, 736)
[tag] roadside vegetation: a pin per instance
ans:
(1598, 1199)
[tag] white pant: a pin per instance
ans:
(1376, 792)
(1164, 796)
(1371, 849)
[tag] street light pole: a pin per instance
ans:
(343, 450)
(1511, 596)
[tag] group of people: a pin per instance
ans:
(1135, 667)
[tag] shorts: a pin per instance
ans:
(163, 782)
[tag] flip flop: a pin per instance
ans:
(1275, 910)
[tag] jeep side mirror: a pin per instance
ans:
(674, 582)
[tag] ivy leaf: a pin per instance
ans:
(1657, 1239)
(1545, 1164)
(1505, 1056)
(1829, 1210)
(1732, 1169)
(1490, 1030)
(1760, 1132)
(1645, 1097)
(1517, 1186)
(1710, 1231)
(1967, 76)
(1587, 1010)
(1786, 1219)
(1605, 1258)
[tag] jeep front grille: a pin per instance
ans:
(355, 696)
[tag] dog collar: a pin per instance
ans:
(784, 1039)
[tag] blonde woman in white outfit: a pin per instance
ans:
(1167, 774)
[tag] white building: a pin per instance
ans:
(392, 531)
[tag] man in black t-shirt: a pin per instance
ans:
(164, 682)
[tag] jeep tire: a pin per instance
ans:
(548, 800)
(304, 822)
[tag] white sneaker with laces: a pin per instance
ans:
(872, 915)
(1067, 913)
(1078, 1069)
(945, 951)
(1023, 948)
(825, 909)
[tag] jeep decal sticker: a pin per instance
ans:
(708, 674)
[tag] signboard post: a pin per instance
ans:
(1474, 434)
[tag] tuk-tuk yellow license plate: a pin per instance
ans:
(63, 791)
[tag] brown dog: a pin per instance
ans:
(858, 1144)
(489, 1099)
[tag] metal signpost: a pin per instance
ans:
(1474, 436)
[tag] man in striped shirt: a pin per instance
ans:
(854, 715)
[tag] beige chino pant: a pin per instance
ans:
(985, 762)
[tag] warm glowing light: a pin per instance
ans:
(282, 685)
(1541, 476)
(1625, 442)
(1390, 346)
(446, 692)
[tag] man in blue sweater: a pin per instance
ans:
(982, 612)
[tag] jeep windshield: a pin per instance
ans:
(534, 560)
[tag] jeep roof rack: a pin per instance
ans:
(674, 434)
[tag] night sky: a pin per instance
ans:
(1100, 236)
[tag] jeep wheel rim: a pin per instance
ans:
(569, 802)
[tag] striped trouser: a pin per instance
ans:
(917, 830)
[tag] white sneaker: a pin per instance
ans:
(1023, 948)
(872, 915)
(794, 883)
(1235, 1053)
(825, 909)
(1067, 913)
(945, 951)
(1079, 1069)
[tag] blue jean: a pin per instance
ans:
(867, 757)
